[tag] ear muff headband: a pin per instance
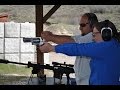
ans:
(106, 33)
(106, 28)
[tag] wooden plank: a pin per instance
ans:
(49, 14)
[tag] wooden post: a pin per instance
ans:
(39, 29)
(40, 20)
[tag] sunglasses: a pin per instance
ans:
(83, 24)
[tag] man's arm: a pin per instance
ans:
(58, 39)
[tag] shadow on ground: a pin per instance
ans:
(13, 80)
(30, 80)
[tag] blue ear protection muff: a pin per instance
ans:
(106, 33)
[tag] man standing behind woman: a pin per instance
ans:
(104, 53)
(81, 66)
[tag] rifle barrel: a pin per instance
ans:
(6, 62)
(61, 69)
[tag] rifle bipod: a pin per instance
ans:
(41, 78)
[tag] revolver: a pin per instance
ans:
(35, 41)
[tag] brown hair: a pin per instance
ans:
(107, 23)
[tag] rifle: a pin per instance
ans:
(58, 68)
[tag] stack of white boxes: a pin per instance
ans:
(12, 46)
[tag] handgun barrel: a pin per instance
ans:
(26, 39)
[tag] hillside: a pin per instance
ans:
(22, 13)
(67, 14)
